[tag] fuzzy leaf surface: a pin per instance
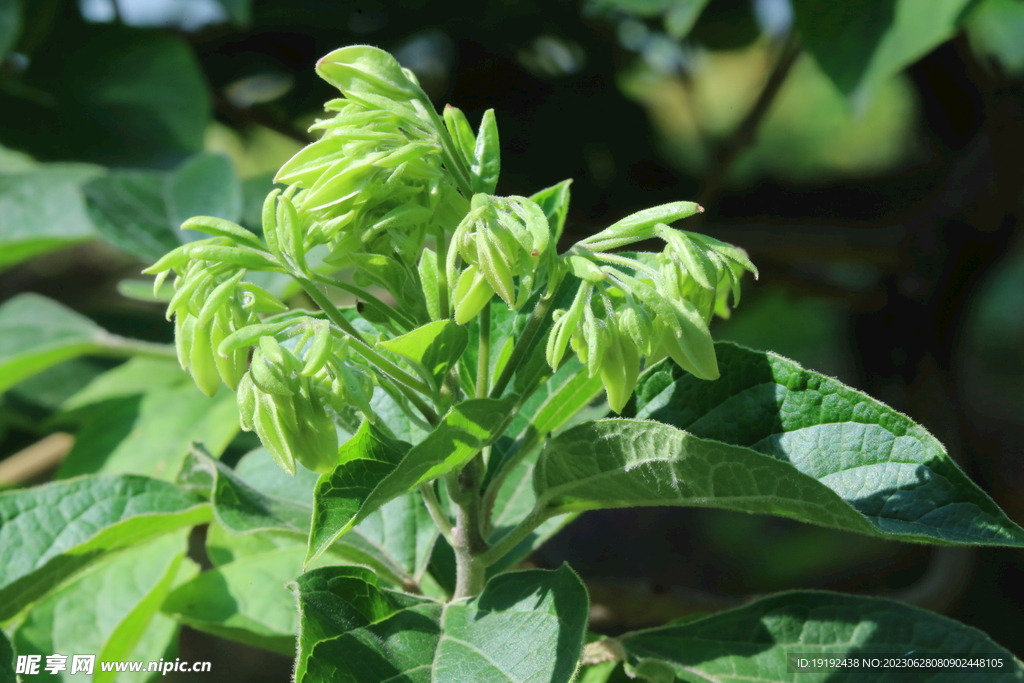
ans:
(49, 532)
(879, 462)
(752, 642)
(525, 627)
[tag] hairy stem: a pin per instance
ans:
(437, 514)
(537, 516)
(523, 344)
(468, 544)
(371, 301)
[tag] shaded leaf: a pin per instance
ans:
(141, 212)
(752, 642)
(7, 674)
(49, 532)
(43, 209)
(142, 417)
(554, 201)
(880, 462)
(10, 27)
(107, 610)
(524, 626)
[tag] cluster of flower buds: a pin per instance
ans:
(648, 305)
(297, 384)
(501, 239)
(211, 301)
(374, 181)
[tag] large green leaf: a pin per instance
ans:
(752, 643)
(245, 600)
(49, 532)
(861, 43)
(374, 468)
(126, 97)
(882, 464)
(141, 418)
(395, 540)
(524, 626)
(107, 610)
(141, 211)
(43, 209)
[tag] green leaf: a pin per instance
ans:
(141, 418)
(524, 626)
(862, 43)
(682, 16)
(43, 209)
(239, 11)
(752, 642)
(205, 185)
(128, 97)
(365, 70)
(37, 333)
(881, 463)
(107, 610)
(336, 601)
(49, 532)
(245, 600)
(436, 346)
(395, 541)
(554, 201)
(237, 506)
(996, 29)
(141, 211)
(374, 468)
(7, 674)
(486, 166)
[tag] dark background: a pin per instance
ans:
(902, 276)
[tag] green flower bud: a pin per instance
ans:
(620, 367)
(472, 293)
(246, 399)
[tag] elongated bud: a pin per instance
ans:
(202, 364)
(272, 432)
(472, 293)
(320, 350)
(565, 326)
(246, 399)
(620, 368)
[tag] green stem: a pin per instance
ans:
(406, 383)
(483, 359)
(442, 274)
(468, 544)
(444, 525)
(503, 547)
(115, 345)
(370, 300)
(523, 344)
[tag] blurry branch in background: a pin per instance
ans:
(31, 463)
(746, 133)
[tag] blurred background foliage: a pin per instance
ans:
(867, 153)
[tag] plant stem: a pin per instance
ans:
(444, 525)
(537, 516)
(116, 345)
(523, 344)
(468, 544)
(370, 300)
(406, 383)
(746, 133)
(442, 274)
(483, 359)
